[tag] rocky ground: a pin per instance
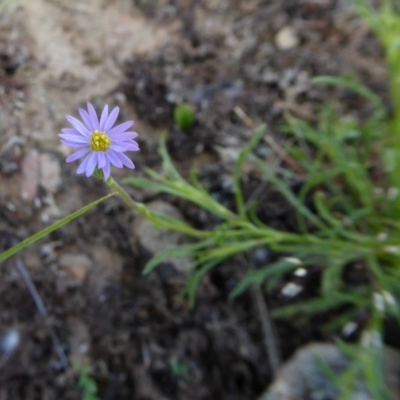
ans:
(238, 63)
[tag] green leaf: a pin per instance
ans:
(290, 196)
(349, 83)
(332, 281)
(259, 276)
(315, 306)
(87, 384)
(258, 134)
(39, 235)
(168, 166)
(184, 116)
(194, 281)
(175, 252)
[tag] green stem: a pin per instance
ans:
(160, 221)
(115, 187)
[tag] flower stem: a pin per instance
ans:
(160, 221)
(115, 187)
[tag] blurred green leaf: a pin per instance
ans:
(259, 276)
(178, 367)
(87, 384)
(349, 83)
(184, 116)
(255, 139)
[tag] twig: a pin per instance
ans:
(32, 288)
(270, 341)
(42, 310)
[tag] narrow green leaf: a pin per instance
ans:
(259, 276)
(332, 281)
(194, 180)
(175, 252)
(168, 166)
(349, 83)
(290, 196)
(315, 306)
(194, 281)
(258, 134)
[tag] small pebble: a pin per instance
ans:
(392, 193)
(291, 289)
(300, 272)
(261, 255)
(293, 260)
(10, 341)
(286, 38)
(11, 207)
(349, 328)
(381, 237)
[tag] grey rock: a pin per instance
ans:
(107, 268)
(302, 378)
(78, 342)
(50, 172)
(30, 176)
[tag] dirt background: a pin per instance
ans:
(234, 61)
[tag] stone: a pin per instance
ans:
(108, 267)
(76, 265)
(30, 175)
(154, 240)
(286, 38)
(50, 173)
(105, 271)
(301, 378)
(78, 342)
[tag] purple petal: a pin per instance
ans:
(86, 119)
(91, 165)
(111, 155)
(125, 160)
(121, 147)
(74, 138)
(78, 154)
(120, 128)
(123, 136)
(111, 119)
(131, 132)
(130, 146)
(106, 170)
(104, 116)
(93, 116)
(102, 159)
(82, 166)
(72, 143)
(78, 125)
(71, 131)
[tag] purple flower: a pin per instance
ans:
(98, 141)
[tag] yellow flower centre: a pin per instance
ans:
(99, 141)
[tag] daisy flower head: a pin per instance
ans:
(100, 143)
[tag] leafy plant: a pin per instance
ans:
(352, 175)
(178, 367)
(352, 180)
(88, 385)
